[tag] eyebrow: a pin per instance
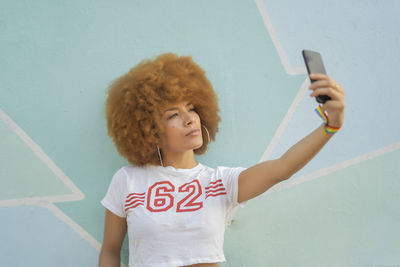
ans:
(175, 108)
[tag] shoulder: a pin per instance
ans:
(124, 173)
(134, 175)
(223, 172)
(131, 170)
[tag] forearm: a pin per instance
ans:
(109, 259)
(302, 152)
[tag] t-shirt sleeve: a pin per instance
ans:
(114, 199)
(230, 177)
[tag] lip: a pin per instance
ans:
(194, 132)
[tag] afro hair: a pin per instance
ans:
(136, 100)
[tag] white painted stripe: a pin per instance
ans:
(76, 227)
(39, 200)
(275, 40)
(323, 172)
(78, 195)
(289, 70)
(300, 95)
(48, 200)
(285, 122)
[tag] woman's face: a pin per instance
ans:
(182, 127)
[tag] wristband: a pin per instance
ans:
(324, 117)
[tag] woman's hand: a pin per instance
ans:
(325, 85)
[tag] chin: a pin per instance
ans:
(192, 145)
(198, 145)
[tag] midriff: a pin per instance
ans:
(203, 265)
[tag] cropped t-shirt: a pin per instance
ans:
(175, 217)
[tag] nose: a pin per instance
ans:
(189, 118)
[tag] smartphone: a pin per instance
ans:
(314, 64)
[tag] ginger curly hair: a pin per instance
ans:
(136, 101)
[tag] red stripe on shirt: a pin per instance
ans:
(215, 190)
(214, 195)
(133, 202)
(132, 198)
(217, 181)
(215, 186)
(138, 204)
(136, 194)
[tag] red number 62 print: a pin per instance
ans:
(159, 197)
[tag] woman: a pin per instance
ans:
(175, 210)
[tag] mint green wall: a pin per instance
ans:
(56, 161)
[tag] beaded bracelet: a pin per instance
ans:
(324, 117)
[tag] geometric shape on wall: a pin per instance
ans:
(350, 217)
(26, 173)
(39, 238)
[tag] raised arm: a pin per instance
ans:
(114, 233)
(259, 178)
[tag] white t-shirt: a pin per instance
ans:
(175, 217)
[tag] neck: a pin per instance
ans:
(179, 160)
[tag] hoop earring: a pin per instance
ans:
(208, 134)
(159, 156)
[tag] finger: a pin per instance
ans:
(319, 76)
(319, 83)
(326, 84)
(333, 94)
(329, 92)
(330, 106)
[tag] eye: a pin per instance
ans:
(193, 109)
(172, 116)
